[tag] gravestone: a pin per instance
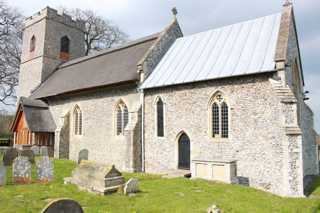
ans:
(132, 186)
(28, 153)
(21, 170)
(3, 174)
(83, 155)
(44, 151)
(35, 150)
(63, 206)
(44, 169)
(9, 156)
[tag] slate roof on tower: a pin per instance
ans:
(109, 67)
(240, 49)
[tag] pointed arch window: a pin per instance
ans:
(160, 117)
(219, 124)
(122, 117)
(32, 44)
(64, 48)
(77, 115)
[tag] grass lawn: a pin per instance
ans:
(158, 195)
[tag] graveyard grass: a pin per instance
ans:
(157, 195)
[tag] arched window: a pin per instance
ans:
(219, 125)
(160, 118)
(33, 44)
(77, 115)
(64, 48)
(122, 118)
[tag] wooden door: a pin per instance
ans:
(184, 152)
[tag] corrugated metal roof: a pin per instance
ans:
(244, 48)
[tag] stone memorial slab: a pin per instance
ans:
(9, 156)
(44, 151)
(21, 170)
(35, 150)
(28, 153)
(44, 169)
(63, 206)
(96, 178)
(3, 174)
(132, 186)
(83, 155)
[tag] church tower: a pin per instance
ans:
(49, 39)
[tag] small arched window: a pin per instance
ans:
(77, 115)
(65, 48)
(160, 117)
(122, 118)
(32, 44)
(219, 109)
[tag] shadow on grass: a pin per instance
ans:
(312, 186)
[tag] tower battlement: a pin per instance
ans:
(53, 14)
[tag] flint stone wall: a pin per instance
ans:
(256, 131)
(98, 127)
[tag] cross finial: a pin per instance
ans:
(174, 11)
(287, 3)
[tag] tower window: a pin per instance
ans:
(65, 48)
(33, 44)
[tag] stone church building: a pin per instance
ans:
(165, 101)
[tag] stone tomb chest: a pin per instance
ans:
(215, 169)
(97, 178)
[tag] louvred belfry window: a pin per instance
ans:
(219, 117)
(65, 48)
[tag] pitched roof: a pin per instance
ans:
(240, 49)
(37, 115)
(112, 66)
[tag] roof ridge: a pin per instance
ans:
(229, 25)
(110, 50)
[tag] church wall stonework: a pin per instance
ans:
(256, 129)
(98, 126)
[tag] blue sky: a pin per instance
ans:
(142, 17)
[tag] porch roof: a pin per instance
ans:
(37, 116)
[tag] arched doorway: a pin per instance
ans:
(184, 152)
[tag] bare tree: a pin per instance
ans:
(99, 32)
(10, 51)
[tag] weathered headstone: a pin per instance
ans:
(44, 169)
(44, 151)
(3, 174)
(9, 156)
(63, 205)
(132, 186)
(21, 170)
(35, 150)
(83, 155)
(28, 153)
